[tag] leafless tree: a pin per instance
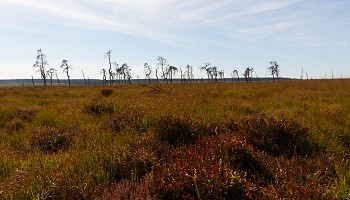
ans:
(50, 73)
(162, 64)
(66, 69)
(171, 70)
(215, 73)
(104, 77)
(208, 69)
(41, 64)
(246, 74)
(58, 80)
(189, 72)
(126, 72)
(235, 73)
(274, 69)
(108, 56)
(148, 71)
(221, 75)
(83, 76)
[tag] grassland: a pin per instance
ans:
(287, 139)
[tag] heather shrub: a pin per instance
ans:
(132, 189)
(106, 92)
(135, 120)
(301, 177)
(276, 136)
(25, 114)
(5, 117)
(176, 130)
(14, 125)
(206, 170)
(99, 107)
(53, 140)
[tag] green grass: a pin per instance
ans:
(80, 143)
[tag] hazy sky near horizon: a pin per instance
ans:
(230, 34)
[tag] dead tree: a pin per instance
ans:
(104, 77)
(41, 64)
(58, 80)
(83, 76)
(162, 64)
(235, 73)
(208, 69)
(66, 69)
(148, 71)
(171, 70)
(108, 55)
(274, 69)
(50, 73)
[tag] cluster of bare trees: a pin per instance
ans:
(41, 64)
(214, 75)
(122, 73)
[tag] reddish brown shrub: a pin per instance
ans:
(106, 92)
(276, 136)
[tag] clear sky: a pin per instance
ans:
(229, 34)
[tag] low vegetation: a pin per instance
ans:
(281, 140)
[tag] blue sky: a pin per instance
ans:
(230, 34)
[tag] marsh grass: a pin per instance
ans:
(297, 149)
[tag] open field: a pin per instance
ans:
(288, 139)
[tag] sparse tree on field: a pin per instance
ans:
(251, 69)
(215, 73)
(66, 69)
(208, 69)
(274, 69)
(58, 80)
(41, 64)
(126, 72)
(50, 73)
(83, 76)
(148, 71)
(235, 73)
(104, 77)
(246, 74)
(108, 56)
(221, 75)
(189, 72)
(171, 70)
(162, 64)
(33, 80)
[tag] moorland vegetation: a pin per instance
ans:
(281, 140)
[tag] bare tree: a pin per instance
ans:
(235, 73)
(162, 64)
(148, 71)
(108, 55)
(251, 69)
(66, 69)
(83, 76)
(50, 73)
(208, 69)
(58, 80)
(221, 75)
(171, 71)
(41, 64)
(274, 69)
(189, 72)
(104, 77)
(126, 72)
(246, 74)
